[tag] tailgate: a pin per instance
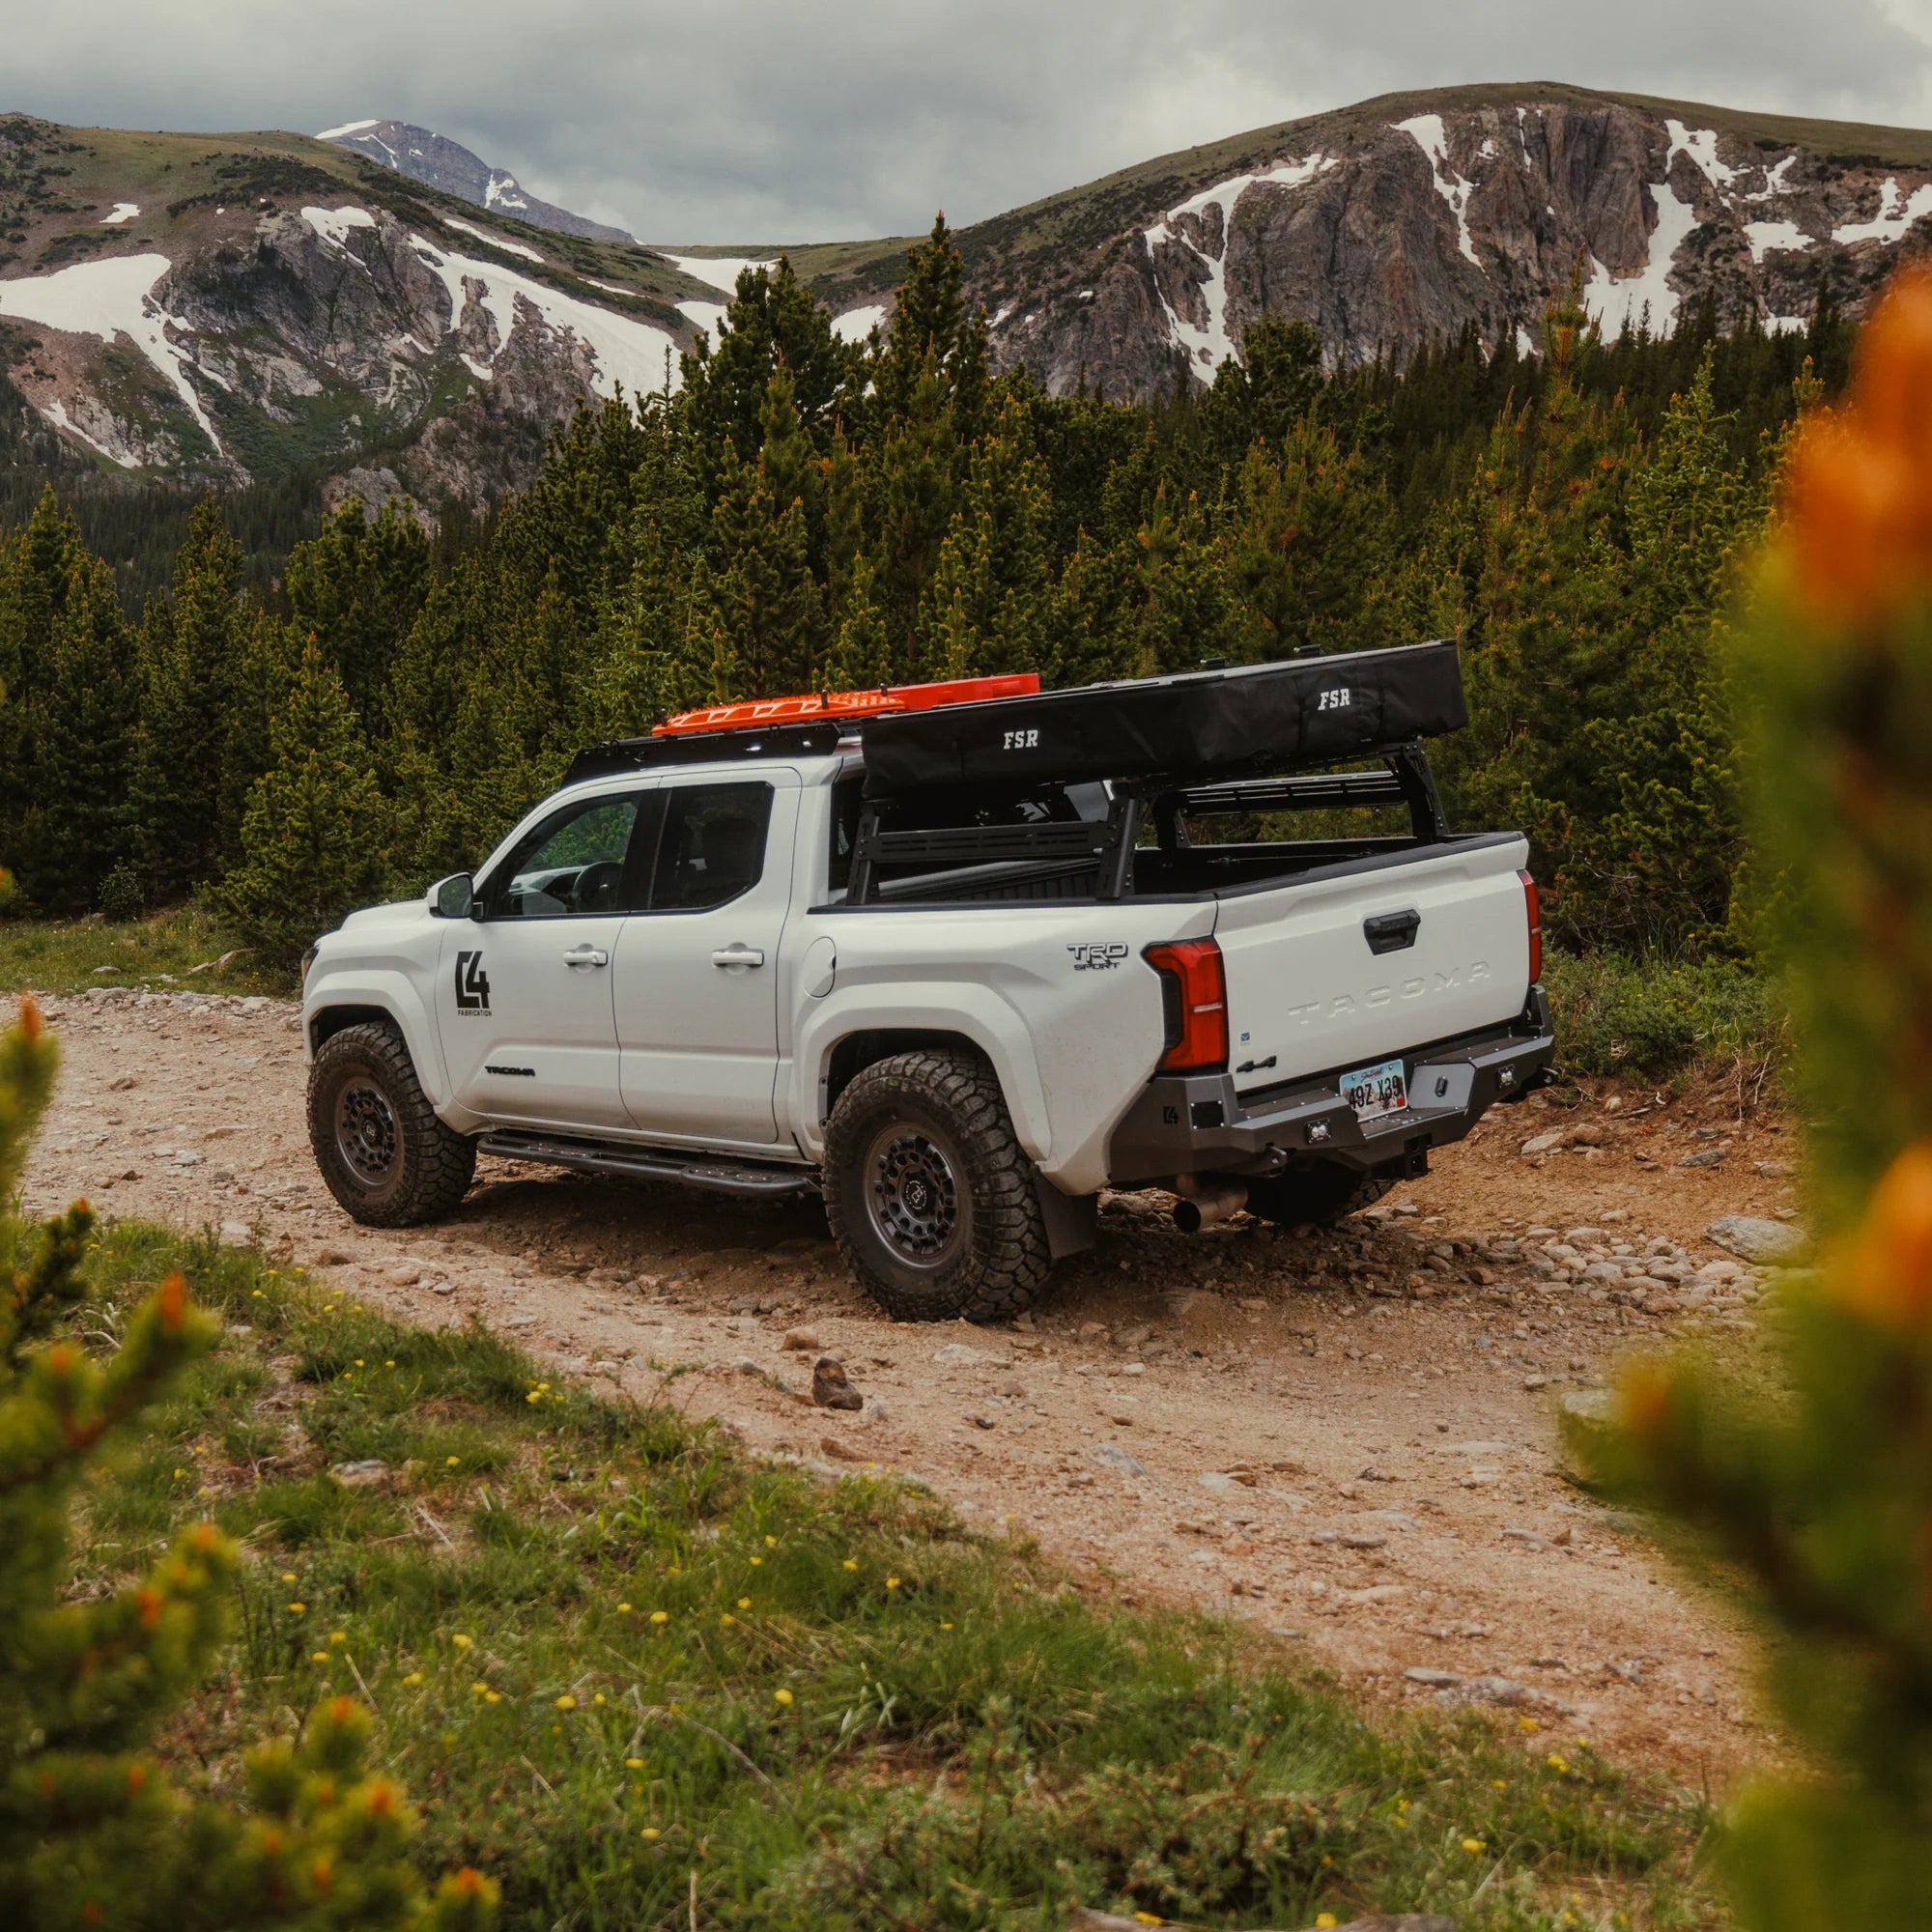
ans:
(1308, 994)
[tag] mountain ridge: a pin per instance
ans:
(438, 161)
(226, 306)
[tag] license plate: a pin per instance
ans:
(1376, 1091)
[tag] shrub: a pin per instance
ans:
(120, 895)
(1657, 1017)
(1824, 1499)
(91, 1832)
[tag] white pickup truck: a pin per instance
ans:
(958, 967)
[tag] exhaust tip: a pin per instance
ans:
(1202, 1203)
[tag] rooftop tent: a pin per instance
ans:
(1246, 718)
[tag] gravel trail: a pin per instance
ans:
(1345, 1441)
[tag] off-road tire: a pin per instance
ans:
(929, 1195)
(382, 1151)
(1315, 1196)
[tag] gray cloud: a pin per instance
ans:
(741, 120)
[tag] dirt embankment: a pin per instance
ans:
(1346, 1439)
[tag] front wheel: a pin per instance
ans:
(1315, 1196)
(929, 1195)
(382, 1151)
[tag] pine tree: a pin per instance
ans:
(190, 643)
(765, 601)
(933, 333)
(774, 321)
(91, 1833)
(1654, 867)
(860, 657)
(1311, 546)
(1089, 630)
(1184, 615)
(74, 831)
(313, 836)
(986, 612)
(356, 588)
(914, 487)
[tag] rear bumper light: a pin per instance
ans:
(1532, 906)
(1194, 1000)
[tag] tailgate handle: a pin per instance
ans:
(1391, 931)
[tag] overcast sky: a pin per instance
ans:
(741, 121)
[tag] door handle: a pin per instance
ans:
(586, 956)
(739, 955)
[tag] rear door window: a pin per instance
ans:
(712, 846)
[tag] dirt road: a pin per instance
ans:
(1348, 1440)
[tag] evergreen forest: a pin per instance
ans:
(378, 702)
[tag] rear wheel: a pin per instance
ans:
(1315, 1196)
(382, 1151)
(929, 1194)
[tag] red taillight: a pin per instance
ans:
(1532, 906)
(1194, 997)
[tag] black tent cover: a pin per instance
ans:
(1246, 718)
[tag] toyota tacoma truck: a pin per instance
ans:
(957, 958)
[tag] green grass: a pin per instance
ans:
(66, 955)
(612, 1657)
(1659, 1019)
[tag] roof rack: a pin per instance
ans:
(809, 725)
(752, 713)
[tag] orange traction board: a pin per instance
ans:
(854, 705)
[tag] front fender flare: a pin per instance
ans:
(391, 993)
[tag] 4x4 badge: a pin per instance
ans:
(472, 983)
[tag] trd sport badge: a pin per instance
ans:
(472, 983)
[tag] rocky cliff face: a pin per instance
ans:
(176, 307)
(1390, 223)
(239, 307)
(442, 163)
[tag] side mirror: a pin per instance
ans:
(453, 897)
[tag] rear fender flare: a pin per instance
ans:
(971, 1012)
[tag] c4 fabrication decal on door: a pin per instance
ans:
(472, 983)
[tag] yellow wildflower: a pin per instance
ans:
(1473, 1845)
(783, 1696)
(661, 1616)
(566, 1702)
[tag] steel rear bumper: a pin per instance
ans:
(1198, 1125)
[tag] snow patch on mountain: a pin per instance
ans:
(1614, 302)
(1701, 145)
(348, 128)
(719, 271)
(504, 192)
(337, 224)
(1427, 134)
(109, 298)
(1897, 215)
(124, 211)
(1209, 346)
(498, 241)
(856, 324)
(705, 316)
(1766, 236)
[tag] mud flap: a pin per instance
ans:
(1072, 1221)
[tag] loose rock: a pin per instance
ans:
(1754, 1240)
(830, 1386)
